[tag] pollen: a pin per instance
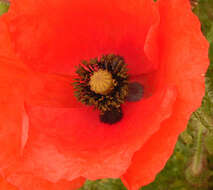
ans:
(101, 82)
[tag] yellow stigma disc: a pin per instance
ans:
(101, 82)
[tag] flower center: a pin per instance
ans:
(104, 84)
(101, 82)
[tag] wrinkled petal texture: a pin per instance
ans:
(59, 140)
(184, 53)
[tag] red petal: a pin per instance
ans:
(12, 81)
(67, 143)
(52, 91)
(86, 146)
(82, 30)
(152, 157)
(26, 182)
(4, 185)
(81, 141)
(38, 88)
(184, 55)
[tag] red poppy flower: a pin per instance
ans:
(55, 142)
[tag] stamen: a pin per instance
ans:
(111, 117)
(103, 84)
(135, 92)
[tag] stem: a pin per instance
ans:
(198, 156)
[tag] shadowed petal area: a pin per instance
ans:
(83, 30)
(184, 53)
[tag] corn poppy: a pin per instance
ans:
(150, 57)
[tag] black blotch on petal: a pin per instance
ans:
(135, 92)
(111, 117)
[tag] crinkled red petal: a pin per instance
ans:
(184, 53)
(64, 142)
(25, 181)
(91, 148)
(54, 36)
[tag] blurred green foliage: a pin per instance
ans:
(4, 6)
(191, 165)
(104, 184)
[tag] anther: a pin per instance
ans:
(135, 92)
(103, 84)
(111, 117)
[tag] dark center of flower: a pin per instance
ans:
(104, 84)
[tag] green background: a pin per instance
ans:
(191, 165)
